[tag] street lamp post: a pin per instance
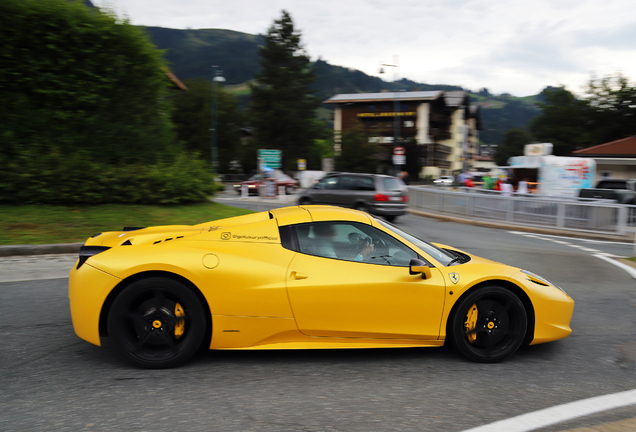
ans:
(396, 107)
(217, 79)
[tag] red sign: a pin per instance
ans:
(399, 151)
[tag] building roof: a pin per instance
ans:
(455, 98)
(176, 82)
(625, 147)
(386, 96)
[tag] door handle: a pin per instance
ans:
(297, 275)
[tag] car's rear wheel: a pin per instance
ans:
(156, 323)
(488, 325)
(304, 201)
(390, 218)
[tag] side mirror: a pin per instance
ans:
(417, 266)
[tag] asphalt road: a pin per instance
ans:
(52, 380)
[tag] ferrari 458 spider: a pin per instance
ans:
(302, 277)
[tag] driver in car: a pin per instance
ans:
(324, 235)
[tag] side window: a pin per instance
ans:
(345, 183)
(365, 184)
(351, 241)
(327, 183)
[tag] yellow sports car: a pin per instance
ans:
(302, 277)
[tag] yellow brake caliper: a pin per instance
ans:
(471, 323)
(179, 326)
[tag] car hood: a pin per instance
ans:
(480, 265)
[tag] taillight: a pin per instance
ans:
(405, 198)
(380, 197)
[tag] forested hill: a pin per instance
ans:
(191, 54)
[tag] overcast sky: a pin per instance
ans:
(515, 46)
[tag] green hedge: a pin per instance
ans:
(55, 179)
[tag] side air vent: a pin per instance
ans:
(132, 228)
(168, 239)
(88, 251)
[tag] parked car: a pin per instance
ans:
(378, 194)
(444, 181)
(281, 179)
(622, 191)
(268, 281)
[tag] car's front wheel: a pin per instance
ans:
(488, 325)
(156, 323)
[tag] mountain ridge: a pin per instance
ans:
(191, 53)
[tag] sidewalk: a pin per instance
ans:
(36, 267)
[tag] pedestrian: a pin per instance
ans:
(404, 176)
(522, 187)
(506, 188)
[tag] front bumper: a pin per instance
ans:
(88, 289)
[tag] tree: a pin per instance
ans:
(606, 112)
(563, 121)
(512, 145)
(192, 117)
(357, 154)
(73, 79)
(611, 103)
(283, 107)
(84, 117)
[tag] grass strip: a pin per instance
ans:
(48, 224)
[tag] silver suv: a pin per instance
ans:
(377, 194)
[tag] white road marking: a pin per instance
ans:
(628, 269)
(560, 413)
(595, 252)
(547, 236)
(584, 248)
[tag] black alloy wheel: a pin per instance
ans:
(488, 325)
(156, 323)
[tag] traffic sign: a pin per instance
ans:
(270, 158)
(399, 151)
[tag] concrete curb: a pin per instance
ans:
(46, 249)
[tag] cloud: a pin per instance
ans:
(517, 47)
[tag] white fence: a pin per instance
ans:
(576, 214)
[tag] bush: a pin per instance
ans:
(54, 179)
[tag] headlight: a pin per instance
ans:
(540, 280)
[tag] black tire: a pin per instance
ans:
(144, 322)
(390, 218)
(493, 331)
(304, 201)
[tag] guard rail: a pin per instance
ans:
(576, 214)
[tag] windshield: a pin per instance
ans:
(439, 254)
